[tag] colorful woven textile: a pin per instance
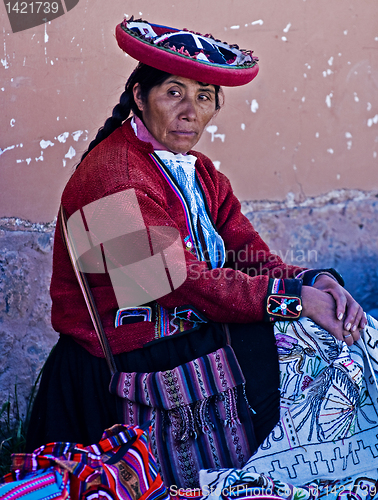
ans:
(199, 415)
(46, 483)
(182, 319)
(120, 467)
(325, 443)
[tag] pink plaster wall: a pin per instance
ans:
(307, 125)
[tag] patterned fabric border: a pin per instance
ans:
(180, 320)
(325, 442)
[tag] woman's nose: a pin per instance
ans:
(188, 111)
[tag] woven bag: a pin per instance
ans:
(120, 467)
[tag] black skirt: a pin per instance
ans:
(74, 404)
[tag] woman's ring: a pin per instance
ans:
(347, 336)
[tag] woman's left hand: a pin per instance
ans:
(347, 309)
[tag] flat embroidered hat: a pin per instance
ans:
(185, 53)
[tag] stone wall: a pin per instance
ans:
(26, 335)
(338, 230)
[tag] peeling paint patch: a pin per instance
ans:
(348, 135)
(242, 126)
(236, 27)
(217, 164)
(330, 151)
(77, 134)
(356, 98)
(290, 200)
(7, 149)
(286, 30)
(372, 121)
(40, 158)
(71, 153)
(45, 144)
(259, 21)
(328, 99)
(330, 61)
(254, 106)
(212, 130)
(284, 39)
(12, 122)
(4, 62)
(369, 106)
(63, 137)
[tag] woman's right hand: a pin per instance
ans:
(320, 306)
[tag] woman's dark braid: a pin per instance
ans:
(120, 113)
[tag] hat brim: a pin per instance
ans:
(179, 64)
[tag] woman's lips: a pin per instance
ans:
(188, 133)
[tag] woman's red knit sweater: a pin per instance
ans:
(235, 293)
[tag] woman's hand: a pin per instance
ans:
(347, 309)
(334, 309)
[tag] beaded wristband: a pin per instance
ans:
(283, 300)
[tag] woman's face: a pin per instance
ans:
(177, 111)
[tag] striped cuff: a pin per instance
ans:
(283, 300)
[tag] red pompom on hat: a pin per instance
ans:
(187, 54)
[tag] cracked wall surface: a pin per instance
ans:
(339, 229)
